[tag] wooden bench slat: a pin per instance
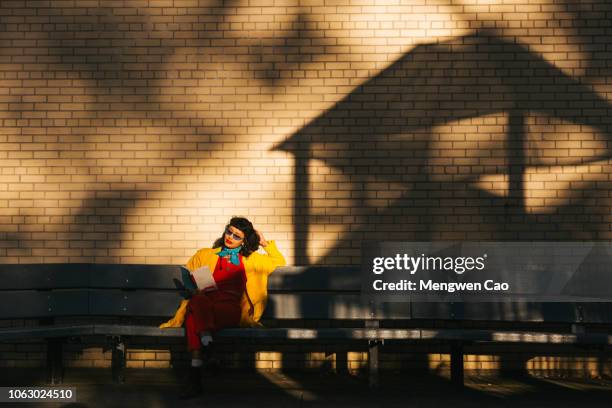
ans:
(314, 334)
(135, 276)
(33, 303)
(43, 276)
(331, 306)
(300, 334)
(288, 278)
(314, 306)
(135, 330)
(280, 306)
(133, 303)
(45, 332)
(516, 311)
(24, 304)
(316, 278)
(118, 302)
(69, 303)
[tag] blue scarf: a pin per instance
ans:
(233, 253)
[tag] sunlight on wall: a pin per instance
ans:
(438, 363)
(586, 366)
(548, 188)
(132, 134)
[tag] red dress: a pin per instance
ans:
(218, 309)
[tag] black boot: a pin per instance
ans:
(211, 363)
(193, 388)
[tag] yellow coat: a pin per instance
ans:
(257, 268)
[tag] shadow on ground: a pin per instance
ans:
(158, 388)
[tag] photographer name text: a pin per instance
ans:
(429, 285)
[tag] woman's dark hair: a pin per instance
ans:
(250, 243)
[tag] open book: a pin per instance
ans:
(200, 279)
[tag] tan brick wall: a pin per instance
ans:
(130, 131)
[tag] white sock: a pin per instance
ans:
(206, 338)
(196, 362)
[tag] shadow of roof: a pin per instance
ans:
(467, 77)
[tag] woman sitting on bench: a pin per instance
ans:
(240, 274)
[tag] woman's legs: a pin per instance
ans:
(193, 387)
(201, 308)
(205, 314)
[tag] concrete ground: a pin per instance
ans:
(159, 388)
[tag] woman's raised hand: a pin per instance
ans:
(262, 240)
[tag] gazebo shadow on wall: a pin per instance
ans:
(384, 132)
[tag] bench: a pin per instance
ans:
(44, 293)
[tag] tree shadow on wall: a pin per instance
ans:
(119, 68)
(276, 59)
(87, 72)
(407, 163)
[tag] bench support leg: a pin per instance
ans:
(373, 349)
(457, 364)
(55, 369)
(342, 362)
(118, 359)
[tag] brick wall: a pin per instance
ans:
(130, 131)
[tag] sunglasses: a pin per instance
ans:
(231, 234)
